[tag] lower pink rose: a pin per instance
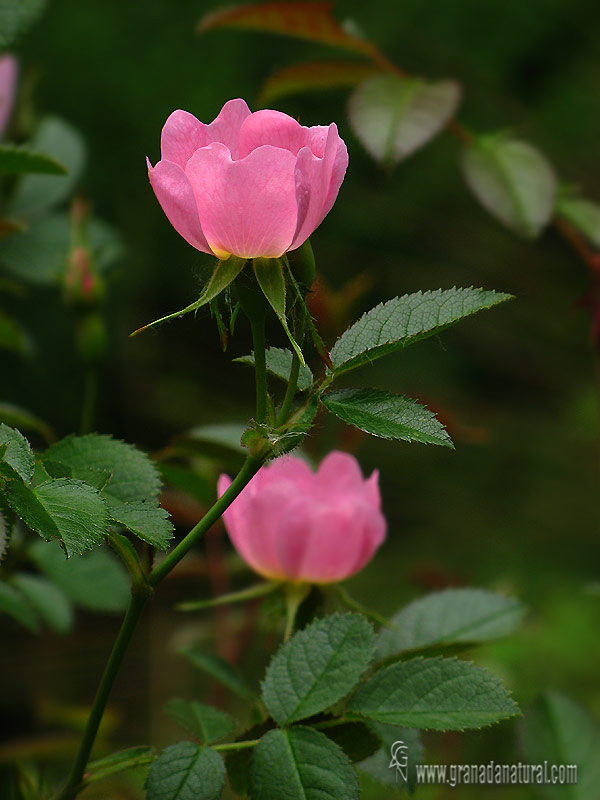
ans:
(293, 524)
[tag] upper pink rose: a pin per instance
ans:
(9, 71)
(247, 184)
(292, 524)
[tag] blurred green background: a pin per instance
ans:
(515, 507)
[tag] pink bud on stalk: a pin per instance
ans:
(248, 184)
(292, 524)
(9, 71)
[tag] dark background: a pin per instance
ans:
(515, 507)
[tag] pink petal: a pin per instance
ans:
(320, 544)
(246, 207)
(183, 134)
(280, 130)
(174, 193)
(340, 473)
(226, 127)
(317, 184)
(372, 494)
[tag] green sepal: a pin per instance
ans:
(224, 273)
(269, 274)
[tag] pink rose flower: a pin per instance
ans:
(9, 71)
(249, 185)
(292, 524)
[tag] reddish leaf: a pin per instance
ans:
(315, 75)
(311, 21)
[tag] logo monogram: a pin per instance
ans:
(399, 753)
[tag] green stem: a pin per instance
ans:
(139, 597)
(290, 391)
(136, 606)
(244, 476)
(260, 366)
(236, 745)
(294, 595)
(354, 605)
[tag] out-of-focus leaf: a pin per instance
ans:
(39, 254)
(313, 76)
(18, 417)
(304, 20)
(16, 605)
(279, 364)
(96, 581)
(393, 116)
(450, 617)
(47, 599)
(378, 765)
(5, 531)
(220, 438)
(219, 669)
(15, 17)
(513, 181)
(558, 731)
(38, 193)
(206, 723)
(15, 159)
(391, 416)
(582, 214)
(405, 320)
(12, 335)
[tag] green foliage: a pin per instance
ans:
(393, 115)
(15, 159)
(147, 521)
(118, 762)
(378, 765)
(39, 193)
(18, 453)
(317, 667)
(557, 730)
(47, 599)
(96, 581)
(61, 508)
(450, 617)
(404, 320)
(204, 722)
(134, 476)
(301, 764)
(279, 364)
(15, 17)
(390, 416)
(218, 669)
(513, 181)
(185, 771)
(439, 693)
